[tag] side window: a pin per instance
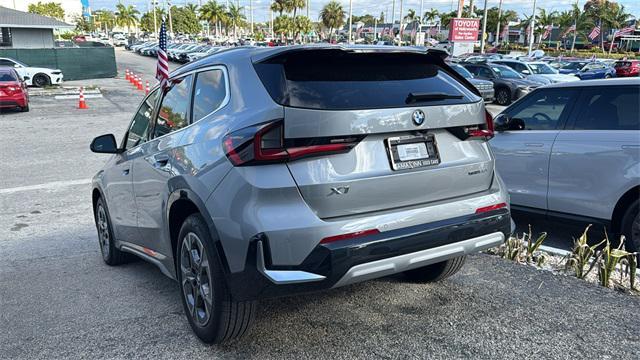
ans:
(209, 93)
(484, 72)
(4, 62)
(613, 108)
(472, 69)
(139, 127)
(173, 111)
(543, 109)
(520, 68)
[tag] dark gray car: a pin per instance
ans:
(262, 172)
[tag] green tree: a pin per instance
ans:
(146, 20)
(184, 20)
(332, 16)
(215, 14)
(236, 18)
(278, 6)
(292, 6)
(126, 16)
(430, 16)
(104, 19)
(84, 25)
(50, 9)
(301, 25)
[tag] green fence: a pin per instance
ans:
(75, 63)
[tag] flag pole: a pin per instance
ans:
(484, 27)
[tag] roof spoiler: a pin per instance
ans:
(441, 53)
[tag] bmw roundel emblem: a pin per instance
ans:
(418, 117)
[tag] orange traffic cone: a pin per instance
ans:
(146, 89)
(126, 72)
(140, 84)
(131, 77)
(81, 103)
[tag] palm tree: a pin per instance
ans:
(236, 17)
(106, 18)
(278, 6)
(192, 7)
(126, 16)
(213, 13)
(616, 17)
(430, 15)
(543, 19)
(332, 16)
(294, 5)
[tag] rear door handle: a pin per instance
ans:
(125, 172)
(160, 160)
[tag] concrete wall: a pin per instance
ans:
(75, 63)
(31, 38)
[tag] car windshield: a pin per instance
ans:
(506, 72)
(541, 68)
(462, 71)
(574, 66)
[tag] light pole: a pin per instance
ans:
(170, 21)
(400, 28)
(498, 26)
(251, 14)
(350, 18)
(155, 20)
(420, 18)
(484, 27)
(533, 25)
(308, 9)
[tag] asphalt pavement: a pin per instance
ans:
(59, 300)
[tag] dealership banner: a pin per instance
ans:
(464, 30)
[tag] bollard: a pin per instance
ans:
(140, 84)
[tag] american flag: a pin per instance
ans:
(625, 31)
(547, 31)
(570, 29)
(595, 32)
(162, 70)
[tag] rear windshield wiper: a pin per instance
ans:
(419, 97)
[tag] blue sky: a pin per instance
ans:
(374, 7)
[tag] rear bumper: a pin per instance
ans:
(368, 257)
(13, 101)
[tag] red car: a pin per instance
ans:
(627, 68)
(13, 90)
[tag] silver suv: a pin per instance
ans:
(572, 150)
(262, 172)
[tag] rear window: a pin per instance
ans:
(8, 75)
(622, 64)
(343, 80)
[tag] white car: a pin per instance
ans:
(34, 76)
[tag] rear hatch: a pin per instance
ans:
(417, 128)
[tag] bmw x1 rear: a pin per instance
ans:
(320, 167)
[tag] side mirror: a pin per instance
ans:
(526, 72)
(104, 144)
(26, 78)
(501, 123)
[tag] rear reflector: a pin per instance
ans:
(353, 235)
(490, 208)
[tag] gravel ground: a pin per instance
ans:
(58, 300)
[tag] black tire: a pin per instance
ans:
(110, 254)
(631, 227)
(25, 108)
(215, 318)
(503, 96)
(436, 272)
(607, 76)
(40, 80)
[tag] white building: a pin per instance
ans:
(72, 8)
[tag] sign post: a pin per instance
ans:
(463, 35)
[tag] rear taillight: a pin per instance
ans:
(265, 144)
(490, 208)
(349, 236)
(484, 131)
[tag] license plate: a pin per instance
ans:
(411, 151)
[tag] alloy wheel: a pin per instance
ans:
(503, 97)
(196, 283)
(40, 81)
(103, 231)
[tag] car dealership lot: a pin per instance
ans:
(58, 299)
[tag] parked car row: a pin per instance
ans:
(178, 52)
